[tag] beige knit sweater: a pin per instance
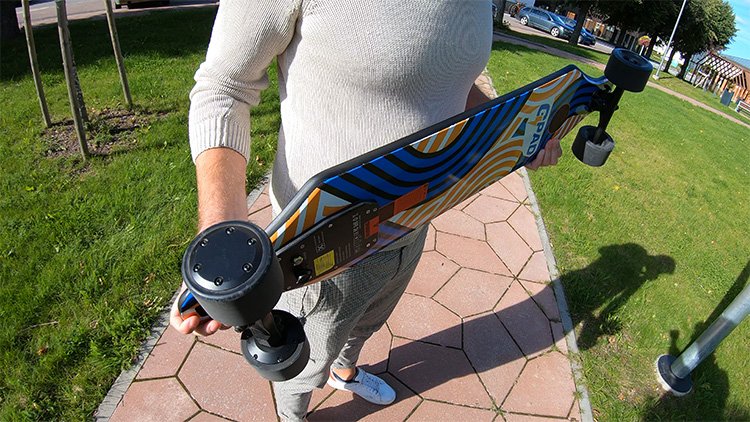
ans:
(353, 76)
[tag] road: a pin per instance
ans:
(43, 11)
(515, 25)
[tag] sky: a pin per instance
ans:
(740, 46)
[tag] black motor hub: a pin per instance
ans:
(232, 270)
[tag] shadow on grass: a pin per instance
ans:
(612, 279)
(163, 34)
(708, 400)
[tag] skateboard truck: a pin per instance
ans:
(628, 71)
(233, 275)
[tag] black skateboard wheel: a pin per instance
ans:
(281, 360)
(628, 70)
(232, 270)
(589, 152)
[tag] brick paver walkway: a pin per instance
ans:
(477, 336)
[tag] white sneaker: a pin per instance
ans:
(367, 386)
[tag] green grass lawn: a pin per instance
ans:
(706, 97)
(648, 247)
(89, 253)
(560, 44)
(666, 80)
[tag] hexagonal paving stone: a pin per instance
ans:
(262, 201)
(508, 246)
(207, 417)
(420, 318)
(429, 242)
(437, 373)
(167, 356)
(514, 417)
(471, 292)
(497, 190)
(558, 334)
(223, 383)
(544, 296)
(515, 186)
(575, 412)
(226, 339)
(460, 224)
(491, 210)
(470, 253)
(524, 223)
(155, 400)
(524, 321)
(374, 355)
(433, 271)
(463, 204)
(430, 411)
(492, 352)
(536, 269)
(320, 395)
(344, 406)
(262, 217)
(544, 388)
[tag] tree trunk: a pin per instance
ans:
(683, 69)
(651, 45)
(118, 54)
(620, 38)
(581, 14)
(613, 37)
(9, 20)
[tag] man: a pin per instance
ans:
(353, 76)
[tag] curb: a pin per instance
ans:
(118, 389)
(122, 383)
(584, 403)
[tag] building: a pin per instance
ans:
(718, 72)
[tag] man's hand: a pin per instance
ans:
(192, 323)
(548, 156)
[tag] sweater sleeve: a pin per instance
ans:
(246, 36)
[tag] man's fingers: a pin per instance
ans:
(537, 161)
(549, 156)
(208, 328)
(184, 326)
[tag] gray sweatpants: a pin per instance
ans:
(340, 314)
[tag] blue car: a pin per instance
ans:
(558, 26)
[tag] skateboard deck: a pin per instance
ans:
(357, 208)
(236, 272)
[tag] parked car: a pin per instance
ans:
(558, 26)
(128, 3)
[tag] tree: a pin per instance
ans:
(655, 18)
(9, 20)
(582, 10)
(622, 14)
(707, 25)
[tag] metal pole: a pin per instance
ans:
(34, 63)
(674, 374)
(663, 56)
(118, 53)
